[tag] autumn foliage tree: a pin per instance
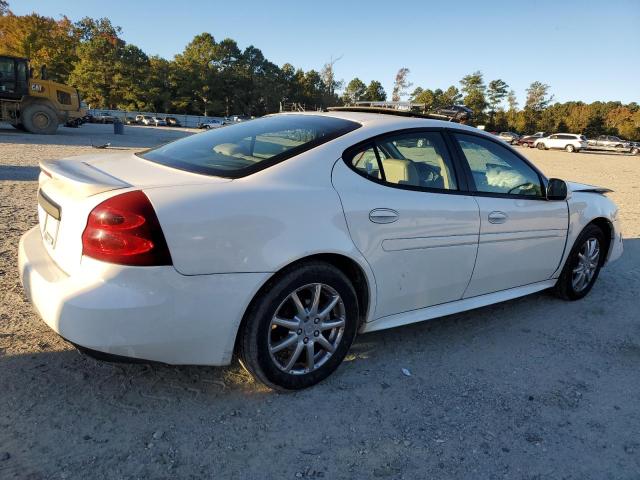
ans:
(219, 78)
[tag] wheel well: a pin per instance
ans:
(354, 273)
(28, 101)
(607, 228)
(346, 265)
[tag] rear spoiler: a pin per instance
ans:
(80, 178)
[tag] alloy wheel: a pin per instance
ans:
(306, 329)
(588, 258)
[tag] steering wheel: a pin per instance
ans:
(519, 186)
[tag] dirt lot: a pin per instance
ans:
(532, 388)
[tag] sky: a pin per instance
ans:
(585, 50)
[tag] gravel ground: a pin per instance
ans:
(528, 389)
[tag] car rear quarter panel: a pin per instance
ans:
(258, 223)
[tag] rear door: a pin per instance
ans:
(408, 215)
(554, 142)
(522, 235)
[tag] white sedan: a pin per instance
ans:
(278, 239)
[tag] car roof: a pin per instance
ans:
(393, 122)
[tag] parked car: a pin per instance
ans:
(610, 143)
(159, 121)
(172, 122)
(635, 148)
(130, 120)
(509, 137)
(163, 256)
(103, 117)
(211, 124)
(528, 140)
(570, 142)
(145, 120)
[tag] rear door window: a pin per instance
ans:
(416, 159)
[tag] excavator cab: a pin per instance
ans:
(14, 78)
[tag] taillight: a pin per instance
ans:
(124, 229)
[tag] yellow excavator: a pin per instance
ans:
(36, 105)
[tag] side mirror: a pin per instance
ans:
(556, 189)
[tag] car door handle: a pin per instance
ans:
(498, 217)
(383, 215)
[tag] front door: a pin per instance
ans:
(522, 235)
(407, 217)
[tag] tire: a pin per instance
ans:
(40, 119)
(570, 148)
(567, 288)
(526, 145)
(262, 334)
(541, 146)
(634, 151)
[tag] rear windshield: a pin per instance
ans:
(243, 148)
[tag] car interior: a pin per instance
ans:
(407, 161)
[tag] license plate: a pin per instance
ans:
(48, 227)
(49, 216)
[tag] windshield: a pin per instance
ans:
(246, 147)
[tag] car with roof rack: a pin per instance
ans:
(278, 240)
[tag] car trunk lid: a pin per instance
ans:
(70, 188)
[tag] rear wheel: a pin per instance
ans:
(525, 144)
(570, 148)
(541, 146)
(38, 118)
(634, 151)
(581, 270)
(299, 331)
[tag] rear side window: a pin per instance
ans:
(243, 148)
(416, 159)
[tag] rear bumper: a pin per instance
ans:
(150, 313)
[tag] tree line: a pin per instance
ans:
(217, 78)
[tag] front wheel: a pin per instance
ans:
(541, 146)
(583, 265)
(634, 151)
(38, 118)
(570, 148)
(301, 327)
